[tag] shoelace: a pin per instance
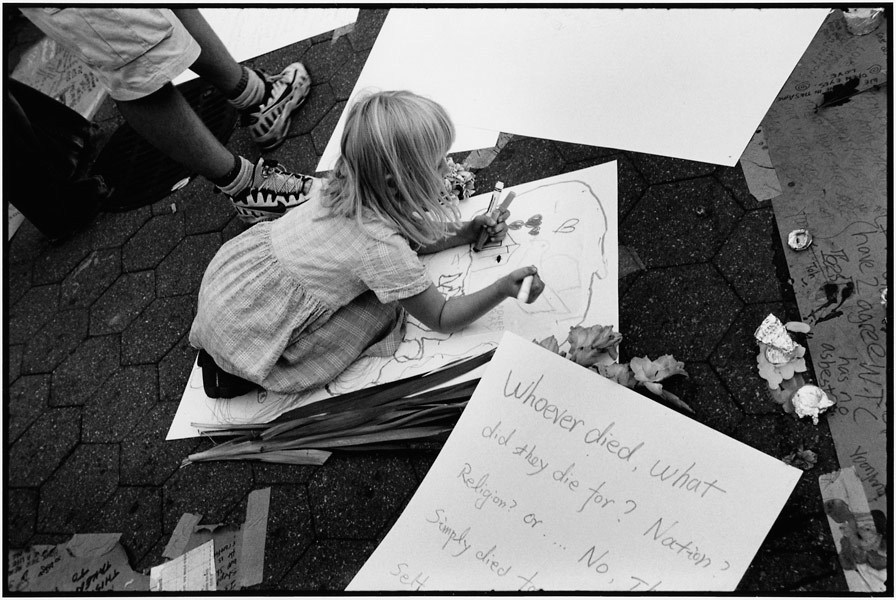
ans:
(285, 182)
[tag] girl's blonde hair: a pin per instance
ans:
(391, 150)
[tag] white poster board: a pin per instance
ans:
(565, 225)
(556, 478)
(686, 83)
(251, 32)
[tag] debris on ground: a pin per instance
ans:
(781, 361)
(810, 401)
(238, 552)
(88, 562)
(858, 532)
(801, 459)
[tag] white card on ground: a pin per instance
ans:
(686, 83)
(193, 571)
(251, 32)
(565, 225)
(556, 478)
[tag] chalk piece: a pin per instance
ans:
(525, 288)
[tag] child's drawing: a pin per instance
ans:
(564, 225)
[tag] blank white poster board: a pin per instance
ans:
(556, 478)
(686, 83)
(251, 32)
(565, 225)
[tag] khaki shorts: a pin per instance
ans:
(133, 51)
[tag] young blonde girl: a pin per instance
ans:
(290, 304)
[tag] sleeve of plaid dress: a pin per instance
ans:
(391, 269)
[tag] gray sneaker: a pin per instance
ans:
(274, 191)
(269, 121)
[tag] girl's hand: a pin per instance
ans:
(494, 222)
(514, 281)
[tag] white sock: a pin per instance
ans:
(243, 179)
(252, 95)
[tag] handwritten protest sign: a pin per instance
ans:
(834, 160)
(555, 478)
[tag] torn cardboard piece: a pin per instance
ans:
(755, 162)
(238, 551)
(190, 572)
(88, 562)
(859, 532)
(834, 165)
(479, 159)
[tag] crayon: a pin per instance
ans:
(483, 235)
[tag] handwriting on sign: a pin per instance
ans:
(553, 489)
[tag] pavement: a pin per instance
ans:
(97, 357)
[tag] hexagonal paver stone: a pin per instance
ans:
(122, 302)
(713, 405)
(209, 489)
(27, 401)
(55, 341)
(343, 81)
(112, 229)
(683, 311)
(31, 312)
(79, 375)
(26, 244)
(181, 271)
(367, 28)
(18, 275)
(153, 242)
(774, 571)
(660, 169)
(203, 214)
(522, 159)
(735, 360)
(20, 515)
(327, 56)
(325, 128)
(289, 532)
(763, 432)
(732, 178)
(135, 512)
(175, 369)
(91, 278)
(358, 496)
(236, 226)
(318, 103)
(272, 473)
(38, 452)
(80, 487)
(147, 459)
(158, 328)
(14, 362)
(329, 565)
(680, 223)
(120, 404)
(55, 262)
(298, 154)
(747, 259)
